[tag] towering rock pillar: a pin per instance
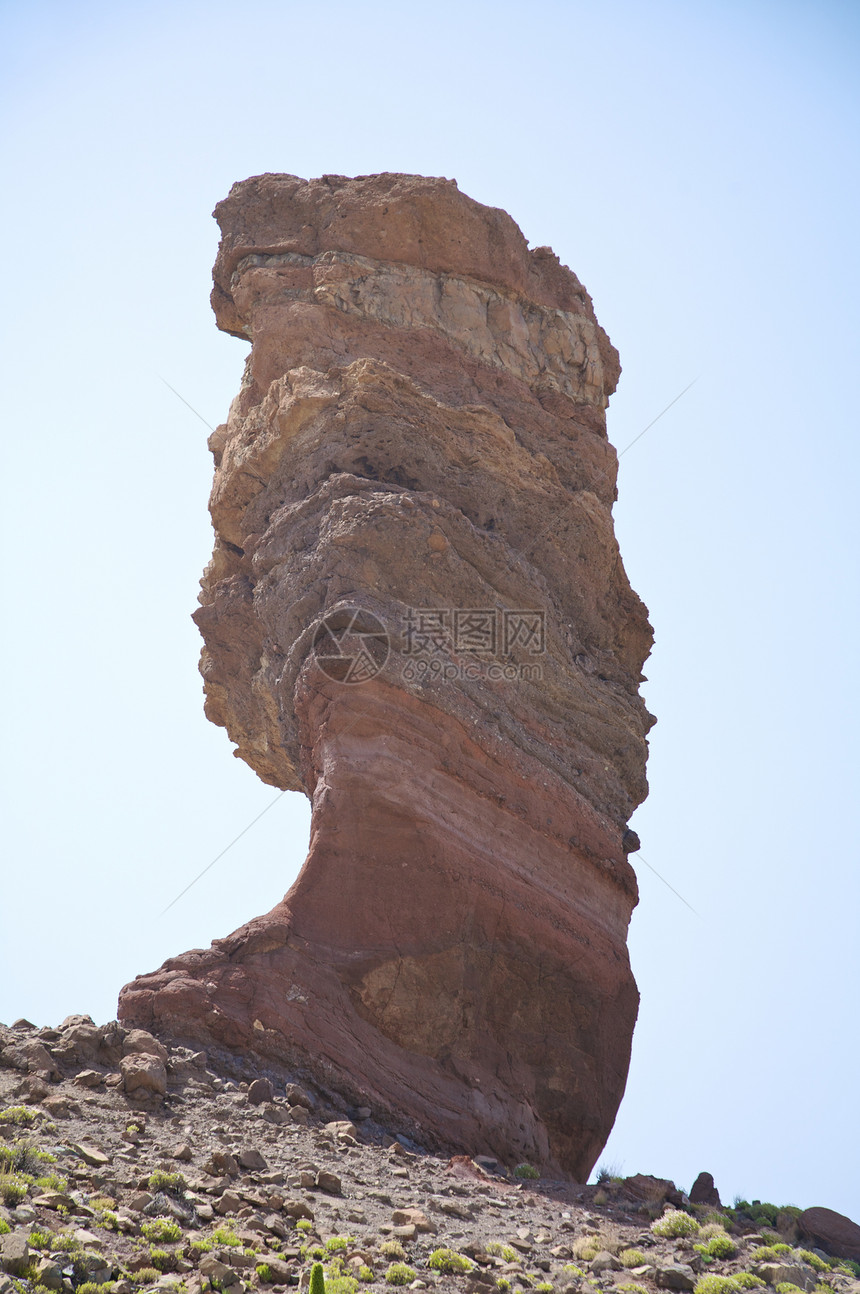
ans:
(417, 614)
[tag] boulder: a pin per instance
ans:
(832, 1231)
(416, 613)
(703, 1191)
(143, 1075)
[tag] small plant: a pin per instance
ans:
(226, 1237)
(13, 1189)
(503, 1284)
(449, 1262)
(716, 1285)
(675, 1223)
(758, 1212)
(814, 1261)
(264, 1272)
(305, 1226)
(107, 1220)
(392, 1249)
(161, 1229)
(585, 1248)
(169, 1183)
(336, 1282)
(526, 1172)
(496, 1249)
(713, 1226)
(765, 1254)
(65, 1243)
(337, 1244)
(718, 1246)
(318, 1253)
(543, 1287)
(4, 1227)
(571, 1269)
(632, 1258)
(146, 1276)
(202, 1246)
(400, 1274)
(19, 1115)
(366, 1273)
(39, 1239)
(164, 1260)
(317, 1285)
(788, 1287)
(747, 1281)
(630, 1287)
(92, 1287)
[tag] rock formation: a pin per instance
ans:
(416, 613)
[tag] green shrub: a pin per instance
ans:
(543, 1287)
(4, 1227)
(366, 1273)
(39, 1239)
(400, 1274)
(719, 1246)
(675, 1223)
(264, 1272)
(146, 1276)
(788, 1287)
(572, 1270)
(632, 1258)
(338, 1243)
(503, 1284)
(317, 1285)
(814, 1261)
(161, 1229)
(13, 1189)
(392, 1249)
(526, 1172)
(92, 1287)
(747, 1281)
(717, 1220)
(449, 1262)
(305, 1226)
(164, 1260)
(758, 1212)
(65, 1243)
(716, 1285)
(226, 1237)
(19, 1115)
(632, 1288)
(169, 1183)
(337, 1282)
(496, 1249)
(202, 1246)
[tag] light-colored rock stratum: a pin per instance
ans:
(417, 614)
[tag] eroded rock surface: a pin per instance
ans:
(417, 614)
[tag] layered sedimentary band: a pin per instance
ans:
(416, 613)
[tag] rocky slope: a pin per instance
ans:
(416, 612)
(127, 1167)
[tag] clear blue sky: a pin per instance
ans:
(696, 165)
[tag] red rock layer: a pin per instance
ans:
(421, 428)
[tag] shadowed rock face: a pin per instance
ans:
(417, 614)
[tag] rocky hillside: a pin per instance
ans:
(128, 1165)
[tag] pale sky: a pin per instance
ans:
(696, 166)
